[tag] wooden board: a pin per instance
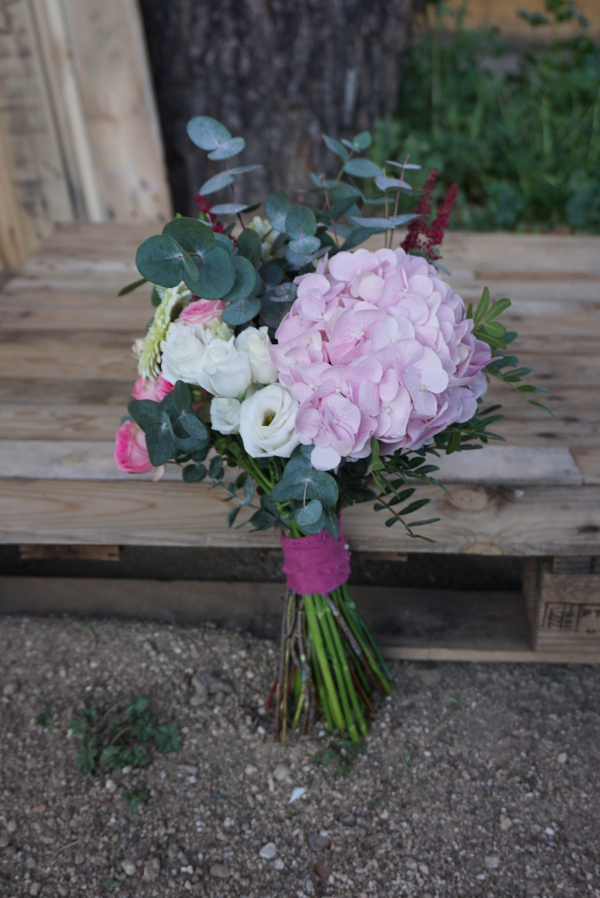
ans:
(416, 624)
(564, 604)
(79, 131)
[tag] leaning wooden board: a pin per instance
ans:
(66, 373)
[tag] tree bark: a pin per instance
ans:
(276, 72)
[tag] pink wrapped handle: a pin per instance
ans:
(316, 564)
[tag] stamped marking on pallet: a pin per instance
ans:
(572, 617)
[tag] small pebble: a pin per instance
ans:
(268, 851)
(110, 785)
(282, 773)
(492, 862)
(562, 758)
(324, 868)
(151, 870)
(11, 826)
(505, 823)
(219, 871)
(297, 793)
(348, 820)
(279, 865)
(318, 842)
(128, 867)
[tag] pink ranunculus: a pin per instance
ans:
(131, 455)
(151, 388)
(203, 312)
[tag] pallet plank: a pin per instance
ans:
(537, 520)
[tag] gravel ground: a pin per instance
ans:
(477, 780)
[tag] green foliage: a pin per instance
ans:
(340, 755)
(43, 719)
(133, 798)
(517, 126)
(111, 742)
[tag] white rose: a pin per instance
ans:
(225, 415)
(224, 371)
(181, 353)
(256, 344)
(267, 423)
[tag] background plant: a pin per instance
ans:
(516, 126)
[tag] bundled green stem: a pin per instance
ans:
(328, 662)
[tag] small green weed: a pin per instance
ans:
(110, 885)
(44, 719)
(133, 798)
(106, 744)
(454, 704)
(341, 754)
(405, 755)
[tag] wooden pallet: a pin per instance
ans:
(66, 373)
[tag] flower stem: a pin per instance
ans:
(315, 633)
(323, 615)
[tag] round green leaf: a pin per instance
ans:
(193, 473)
(362, 168)
(305, 245)
(193, 425)
(245, 277)
(160, 260)
(228, 149)
(249, 246)
(216, 275)
(223, 179)
(207, 133)
(241, 169)
(309, 514)
(144, 412)
(223, 241)
(277, 207)
(300, 222)
(335, 146)
(361, 141)
(160, 444)
(242, 311)
(193, 236)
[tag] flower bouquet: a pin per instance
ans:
(321, 378)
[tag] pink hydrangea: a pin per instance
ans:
(376, 344)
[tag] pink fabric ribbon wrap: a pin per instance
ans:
(316, 563)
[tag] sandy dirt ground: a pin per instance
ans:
(479, 780)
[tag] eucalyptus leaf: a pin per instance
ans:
(207, 133)
(309, 514)
(242, 311)
(242, 169)
(182, 396)
(193, 236)
(249, 246)
(335, 146)
(361, 141)
(385, 183)
(216, 275)
(160, 444)
(277, 207)
(223, 179)
(228, 209)
(362, 168)
(223, 241)
(271, 273)
(228, 149)
(341, 206)
(162, 260)
(405, 165)
(305, 246)
(245, 277)
(284, 293)
(358, 236)
(300, 222)
(144, 412)
(194, 473)
(194, 426)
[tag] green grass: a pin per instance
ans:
(516, 126)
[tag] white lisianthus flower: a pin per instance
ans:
(267, 423)
(225, 415)
(181, 353)
(224, 371)
(256, 344)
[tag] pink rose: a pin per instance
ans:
(203, 311)
(131, 455)
(150, 388)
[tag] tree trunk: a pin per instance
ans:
(276, 72)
